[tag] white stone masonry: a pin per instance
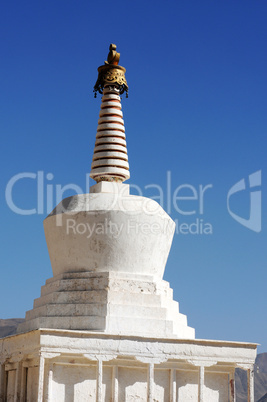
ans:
(74, 366)
(108, 251)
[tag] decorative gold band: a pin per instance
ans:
(113, 75)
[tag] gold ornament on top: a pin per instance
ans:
(111, 73)
(113, 56)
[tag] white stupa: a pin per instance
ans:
(106, 327)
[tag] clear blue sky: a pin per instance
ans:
(196, 108)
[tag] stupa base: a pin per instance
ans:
(61, 365)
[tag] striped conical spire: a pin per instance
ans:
(110, 160)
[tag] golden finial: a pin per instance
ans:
(111, 74)
(113, 56)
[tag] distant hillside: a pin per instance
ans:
(260, 372)
(263, 399)
(9, 326)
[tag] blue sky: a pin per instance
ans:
(196, 109)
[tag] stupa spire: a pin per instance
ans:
(110, 159)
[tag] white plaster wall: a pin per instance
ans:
(11, 378)
(107, 384)
(161, 386)
(74, 383)
(216, 387)
(32, 383)
(72, 357)
(187, 386)
(108, 232)
(132, 385)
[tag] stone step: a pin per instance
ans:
(72, 310)
(142, 299)
(103, 296)
(139, 326)
(80, 297)
(179, 319)
(184, 332)
(120, 310)
(99, 283)
(104, 274)
(146, 300)
(149, 327)
(171, 305)
(91, 323)
(134, 311)
(113, 325)
(145, 312)
(79, 284)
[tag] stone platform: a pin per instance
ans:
(75, 366)
(109, 302)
